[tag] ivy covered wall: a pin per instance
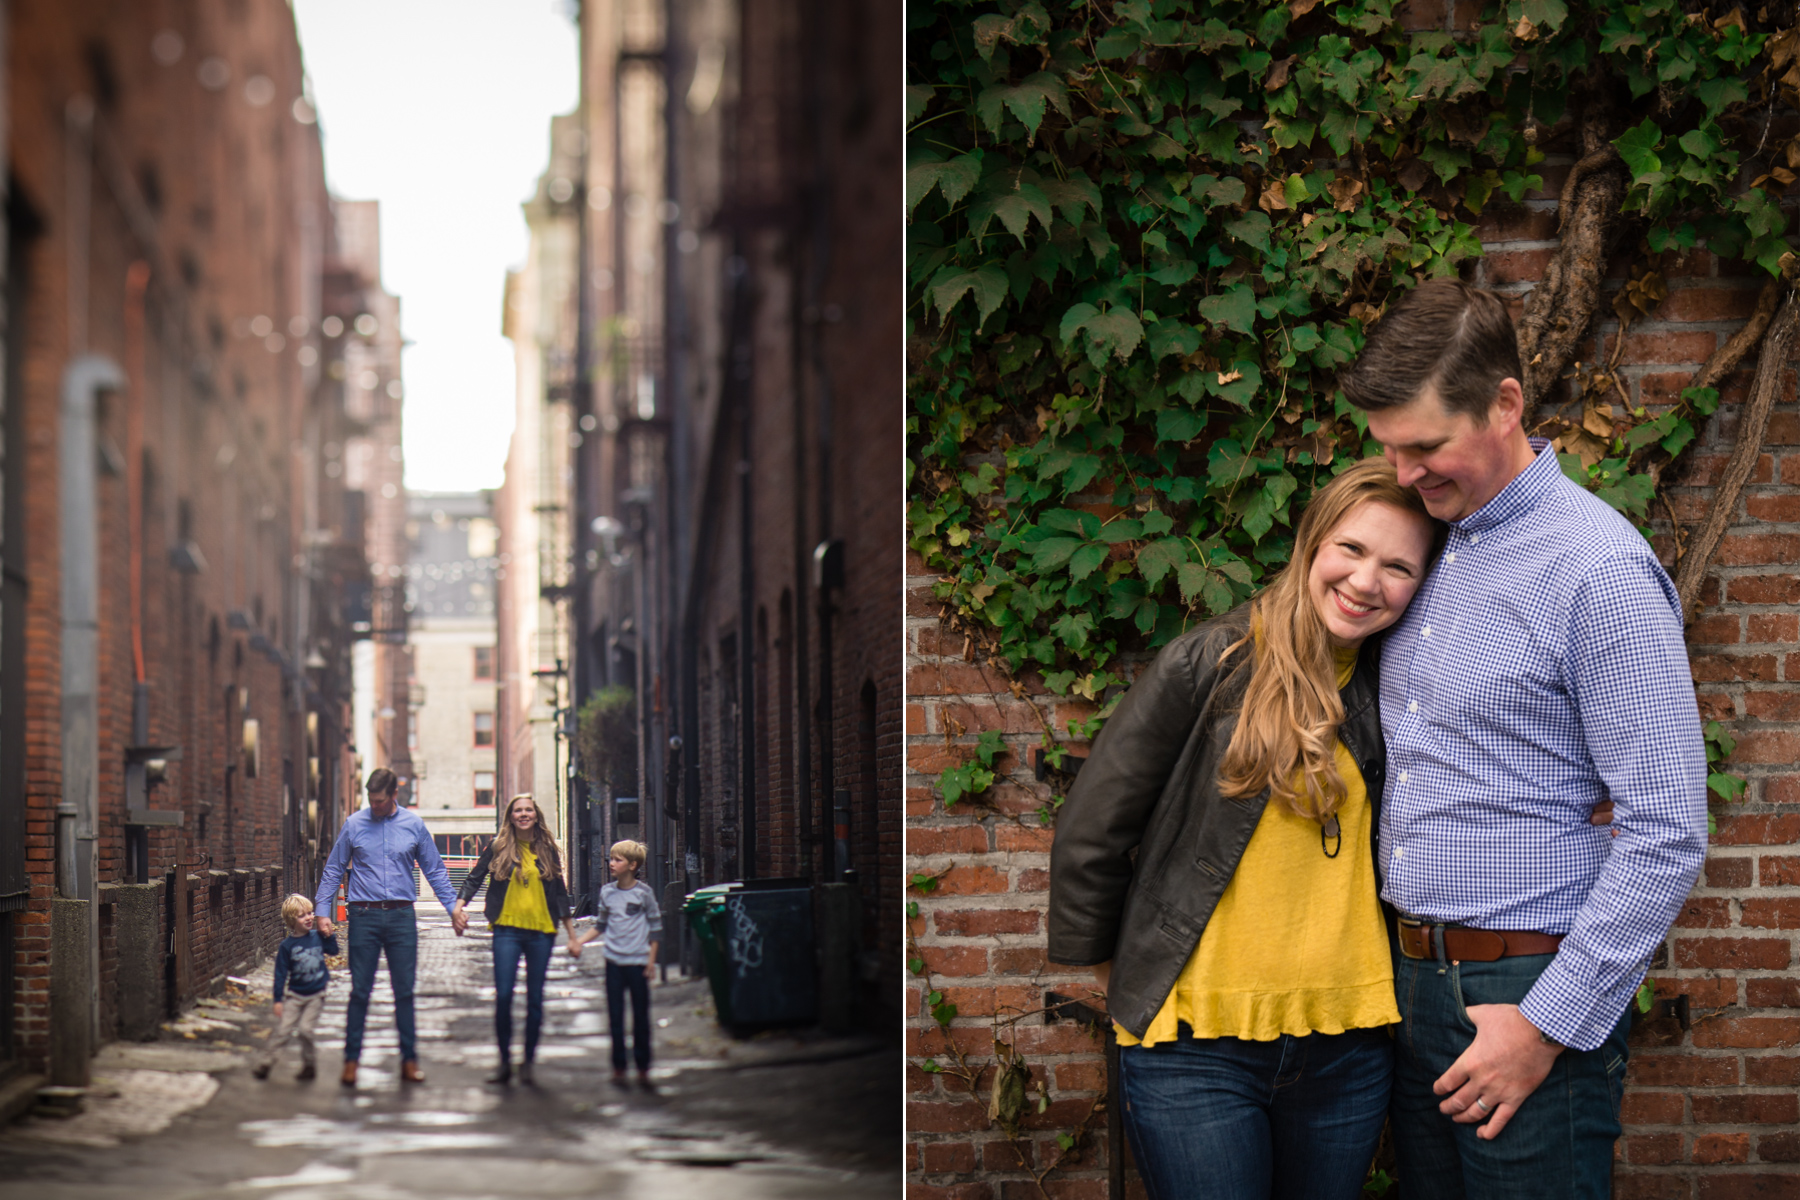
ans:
(1142, 238)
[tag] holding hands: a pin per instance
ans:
(459, 918)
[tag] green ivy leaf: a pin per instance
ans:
(1234, 308)
(1026, 101)
(986, 285)
(1117, 43)
(1116, 332)
(1252, 229)
(918, 97)
(1637, 146)
(1160, 557)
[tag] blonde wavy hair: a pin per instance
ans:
(1286, 734)
(506, 843)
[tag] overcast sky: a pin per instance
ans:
(441, 109)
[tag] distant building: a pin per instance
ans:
(533, 506)
(704, 486)
(366, 374)
(450, 569)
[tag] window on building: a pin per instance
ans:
(484, 729)
(484, 789)
(484, 662)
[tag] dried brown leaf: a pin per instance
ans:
(1277, 77)
(1594, 423)
(1783, 48)
(1344, 191)
(1273, 198)
(1299, 8)
(1413, 175)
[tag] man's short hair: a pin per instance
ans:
(632, 852)
(1445, 335)
(382, 781)
(295, 907)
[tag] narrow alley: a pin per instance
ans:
(498, 399)
(785, 1114)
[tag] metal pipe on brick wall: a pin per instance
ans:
(79, 552)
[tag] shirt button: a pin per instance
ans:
(1426, 632)
(1413, 707)
(1474, 537)
(1403, 777)
(1450, 557)
(1399, 853)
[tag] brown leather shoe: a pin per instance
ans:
(348, 1078)
(410, 1073)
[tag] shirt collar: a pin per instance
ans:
(1521, 495)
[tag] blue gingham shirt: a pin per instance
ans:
(383, 853)
(1540, 670)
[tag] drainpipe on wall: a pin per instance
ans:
(76, 967)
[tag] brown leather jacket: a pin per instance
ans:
(1145, 844)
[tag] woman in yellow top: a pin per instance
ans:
(1214, 864)
(525, 902)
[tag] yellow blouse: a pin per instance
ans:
(1297, 944)
(525, 906)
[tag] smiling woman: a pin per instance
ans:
(1244, 769)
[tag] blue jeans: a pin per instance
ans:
(631, 979)
(372, 931)
(1559, 1143)
(535, 945)
(1297, 1118)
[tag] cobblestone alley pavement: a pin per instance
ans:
(794, 1116)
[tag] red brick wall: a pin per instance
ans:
(1708, 1113)
(213, 191)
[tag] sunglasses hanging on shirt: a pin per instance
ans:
(1331, 836)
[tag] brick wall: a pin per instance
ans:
(1710, 1113)
(219, 191)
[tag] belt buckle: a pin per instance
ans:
(1434, 936)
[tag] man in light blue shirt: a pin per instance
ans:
(380, 843)
(1539, 672)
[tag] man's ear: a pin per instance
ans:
(1508, 408)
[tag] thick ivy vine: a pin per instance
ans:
(1144, 235)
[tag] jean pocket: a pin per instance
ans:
(1461, 1000)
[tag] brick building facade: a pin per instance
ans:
(172, 403)
(1709, 1112)
(714, 415)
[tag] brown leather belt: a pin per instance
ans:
(1457, 943)
(381, 904)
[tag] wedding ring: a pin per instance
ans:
(1482, 1105)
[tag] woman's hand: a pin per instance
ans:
(459, 920)
(1602, 814)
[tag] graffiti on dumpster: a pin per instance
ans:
(745, 938)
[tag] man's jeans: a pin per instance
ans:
(1560, 1142)
(1297, 1118)
(534, 945)
(373, 930)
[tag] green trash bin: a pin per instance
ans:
(705, 911)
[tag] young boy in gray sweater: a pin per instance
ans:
(630, 921)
